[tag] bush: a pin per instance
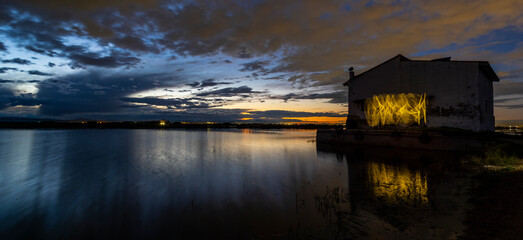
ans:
(497, 156)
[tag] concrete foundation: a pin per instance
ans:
(416, 139)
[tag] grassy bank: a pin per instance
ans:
(499, 156)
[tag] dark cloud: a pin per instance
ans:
(75, 65)
(9, 99)
(36, 72)
(18, 81)
(41, 51)
(179, 103)
(243, 53)
(212, 83)
(17, 61)
(50, 64)
(2, 47)
(254, 66)
(5, 96)
(194, 84)
(24, 101)
(504, 100)
(7, 81)
(5, 17)
(517, 106)
(134, 43)
(82, 93)
(94, 59)
(512, 75)
(5, 69)
(207, 83)
(508, 88)
(335, 97)
(44, 37)
(133, 106)
(228, 92)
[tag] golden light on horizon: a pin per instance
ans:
(245, 119)
(328, 120)
(301, 105)
(396, 109)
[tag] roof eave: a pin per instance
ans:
(489, 71)
(401, 57)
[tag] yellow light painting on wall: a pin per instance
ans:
(403, 109)
(398, 184)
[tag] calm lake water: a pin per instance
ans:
(221, 184)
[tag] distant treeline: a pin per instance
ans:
(156, 125)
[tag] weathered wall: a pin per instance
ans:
(452, 90)
(458, 93)
(486, 100)
(373, 82)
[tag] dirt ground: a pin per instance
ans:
(497, 207)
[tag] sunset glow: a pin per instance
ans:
(328, 120)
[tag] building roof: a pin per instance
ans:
(483, 65)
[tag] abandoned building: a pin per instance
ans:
(406, 93)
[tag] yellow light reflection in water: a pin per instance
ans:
(246, 131)
(397, 184)
(396, 109)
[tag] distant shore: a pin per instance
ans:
(73, 124)
(155, 125)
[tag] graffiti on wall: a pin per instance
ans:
(403, 109)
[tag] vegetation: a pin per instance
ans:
(500, 156)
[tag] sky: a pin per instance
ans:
(236, 61)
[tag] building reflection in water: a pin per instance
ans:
(402, 192)
(397, 184)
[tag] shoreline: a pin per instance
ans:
(157, 125)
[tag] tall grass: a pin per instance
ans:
(500, 155)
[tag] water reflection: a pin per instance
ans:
(398, 194)
(221, 184)
(397, 184)
(84, 184)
